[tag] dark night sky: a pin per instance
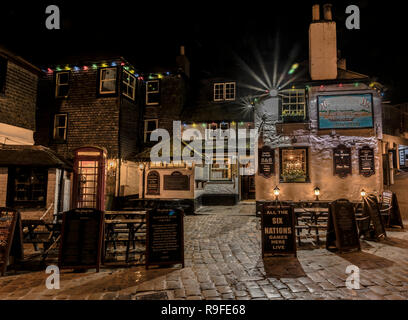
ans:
(212, 31)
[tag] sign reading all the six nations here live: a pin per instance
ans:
(353, 111)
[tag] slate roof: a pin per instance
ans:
(38, 156)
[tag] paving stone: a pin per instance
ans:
(210, 293)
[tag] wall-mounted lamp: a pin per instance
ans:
(363, 193)
(141, 166)
(317, 193)
(276, 192)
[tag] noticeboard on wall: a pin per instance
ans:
(266, 161)
(342, 161)
(352, 111)
(366, 161)
(176, 181)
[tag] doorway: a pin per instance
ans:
(248, 187)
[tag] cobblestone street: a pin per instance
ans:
(223, 261)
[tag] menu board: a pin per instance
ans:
(278, 229)
(389, 199)
(177, 181)
(11, 237)
(342, 227)
(342, 161)
(164, 237)
(81, 239)
(372, 209)
(266, 161)
(366, 161)
(153, 183)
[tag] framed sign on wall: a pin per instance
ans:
(366, 161)
(266, 158)
(352, 111)
(342, 161)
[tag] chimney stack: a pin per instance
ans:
(322, 45)
(183, 63)
(316, 12)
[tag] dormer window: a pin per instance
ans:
(224, 91)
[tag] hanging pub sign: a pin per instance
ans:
(342, 231)
(153, 183)
(176, 181)
(366, 161)
(278, 229)
(11, 237)
(81, 239)
(266, 161)
(164, 237)
(342, 161)
(372, 209)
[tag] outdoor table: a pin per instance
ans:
(133, 225)
(313, 216)
(32, 235)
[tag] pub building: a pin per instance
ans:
(323, 132)
(33, 178)
(89, 114)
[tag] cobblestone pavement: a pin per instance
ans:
(223, 261)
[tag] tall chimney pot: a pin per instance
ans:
(182, 51)
(327, 12)
(316, 12)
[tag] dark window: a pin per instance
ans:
(129, 85)
(150, 126)
(62, 84)
(60, 127)
(3, 73)
(153, 92)
(28, 186)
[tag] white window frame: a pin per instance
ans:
(222, 87)
(108, 80)
(146, 126)
(149, 92)
(229, 168)
(293, 106)
(57, 126)
(128, 85)
(58, 84)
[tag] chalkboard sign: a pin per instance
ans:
(278, 229)
(371, 208)
(342, 227)
(266, 161)
(164, 237)
(342, 161)
(153, 183)
(177, 181)
(389, 199)
(81, 239)
(366, 161)
(11, 237)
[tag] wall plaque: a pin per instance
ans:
(11, 237)
(266, 161)
(278, 229)
(342, 227)
(81, 239)
(342, 161)
(176, 181)
(164, 237)
(366, 161)
(153, 183)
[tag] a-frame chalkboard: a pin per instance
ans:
(371, 209)
(11, 237)
(342, 234)
(164, 237)
(81, 239)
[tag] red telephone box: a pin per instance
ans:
(89, 178)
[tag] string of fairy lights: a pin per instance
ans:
(95, 66)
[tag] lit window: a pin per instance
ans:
(224, 91)
(149, 127)
(60, 127)
(152, 92)
(29, 186)
(220, 170)
(129, 85)
(62, 84)
(293, 104)
(293, 166)
(107, 80)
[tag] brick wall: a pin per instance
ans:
(18, 103)
(3, 186)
